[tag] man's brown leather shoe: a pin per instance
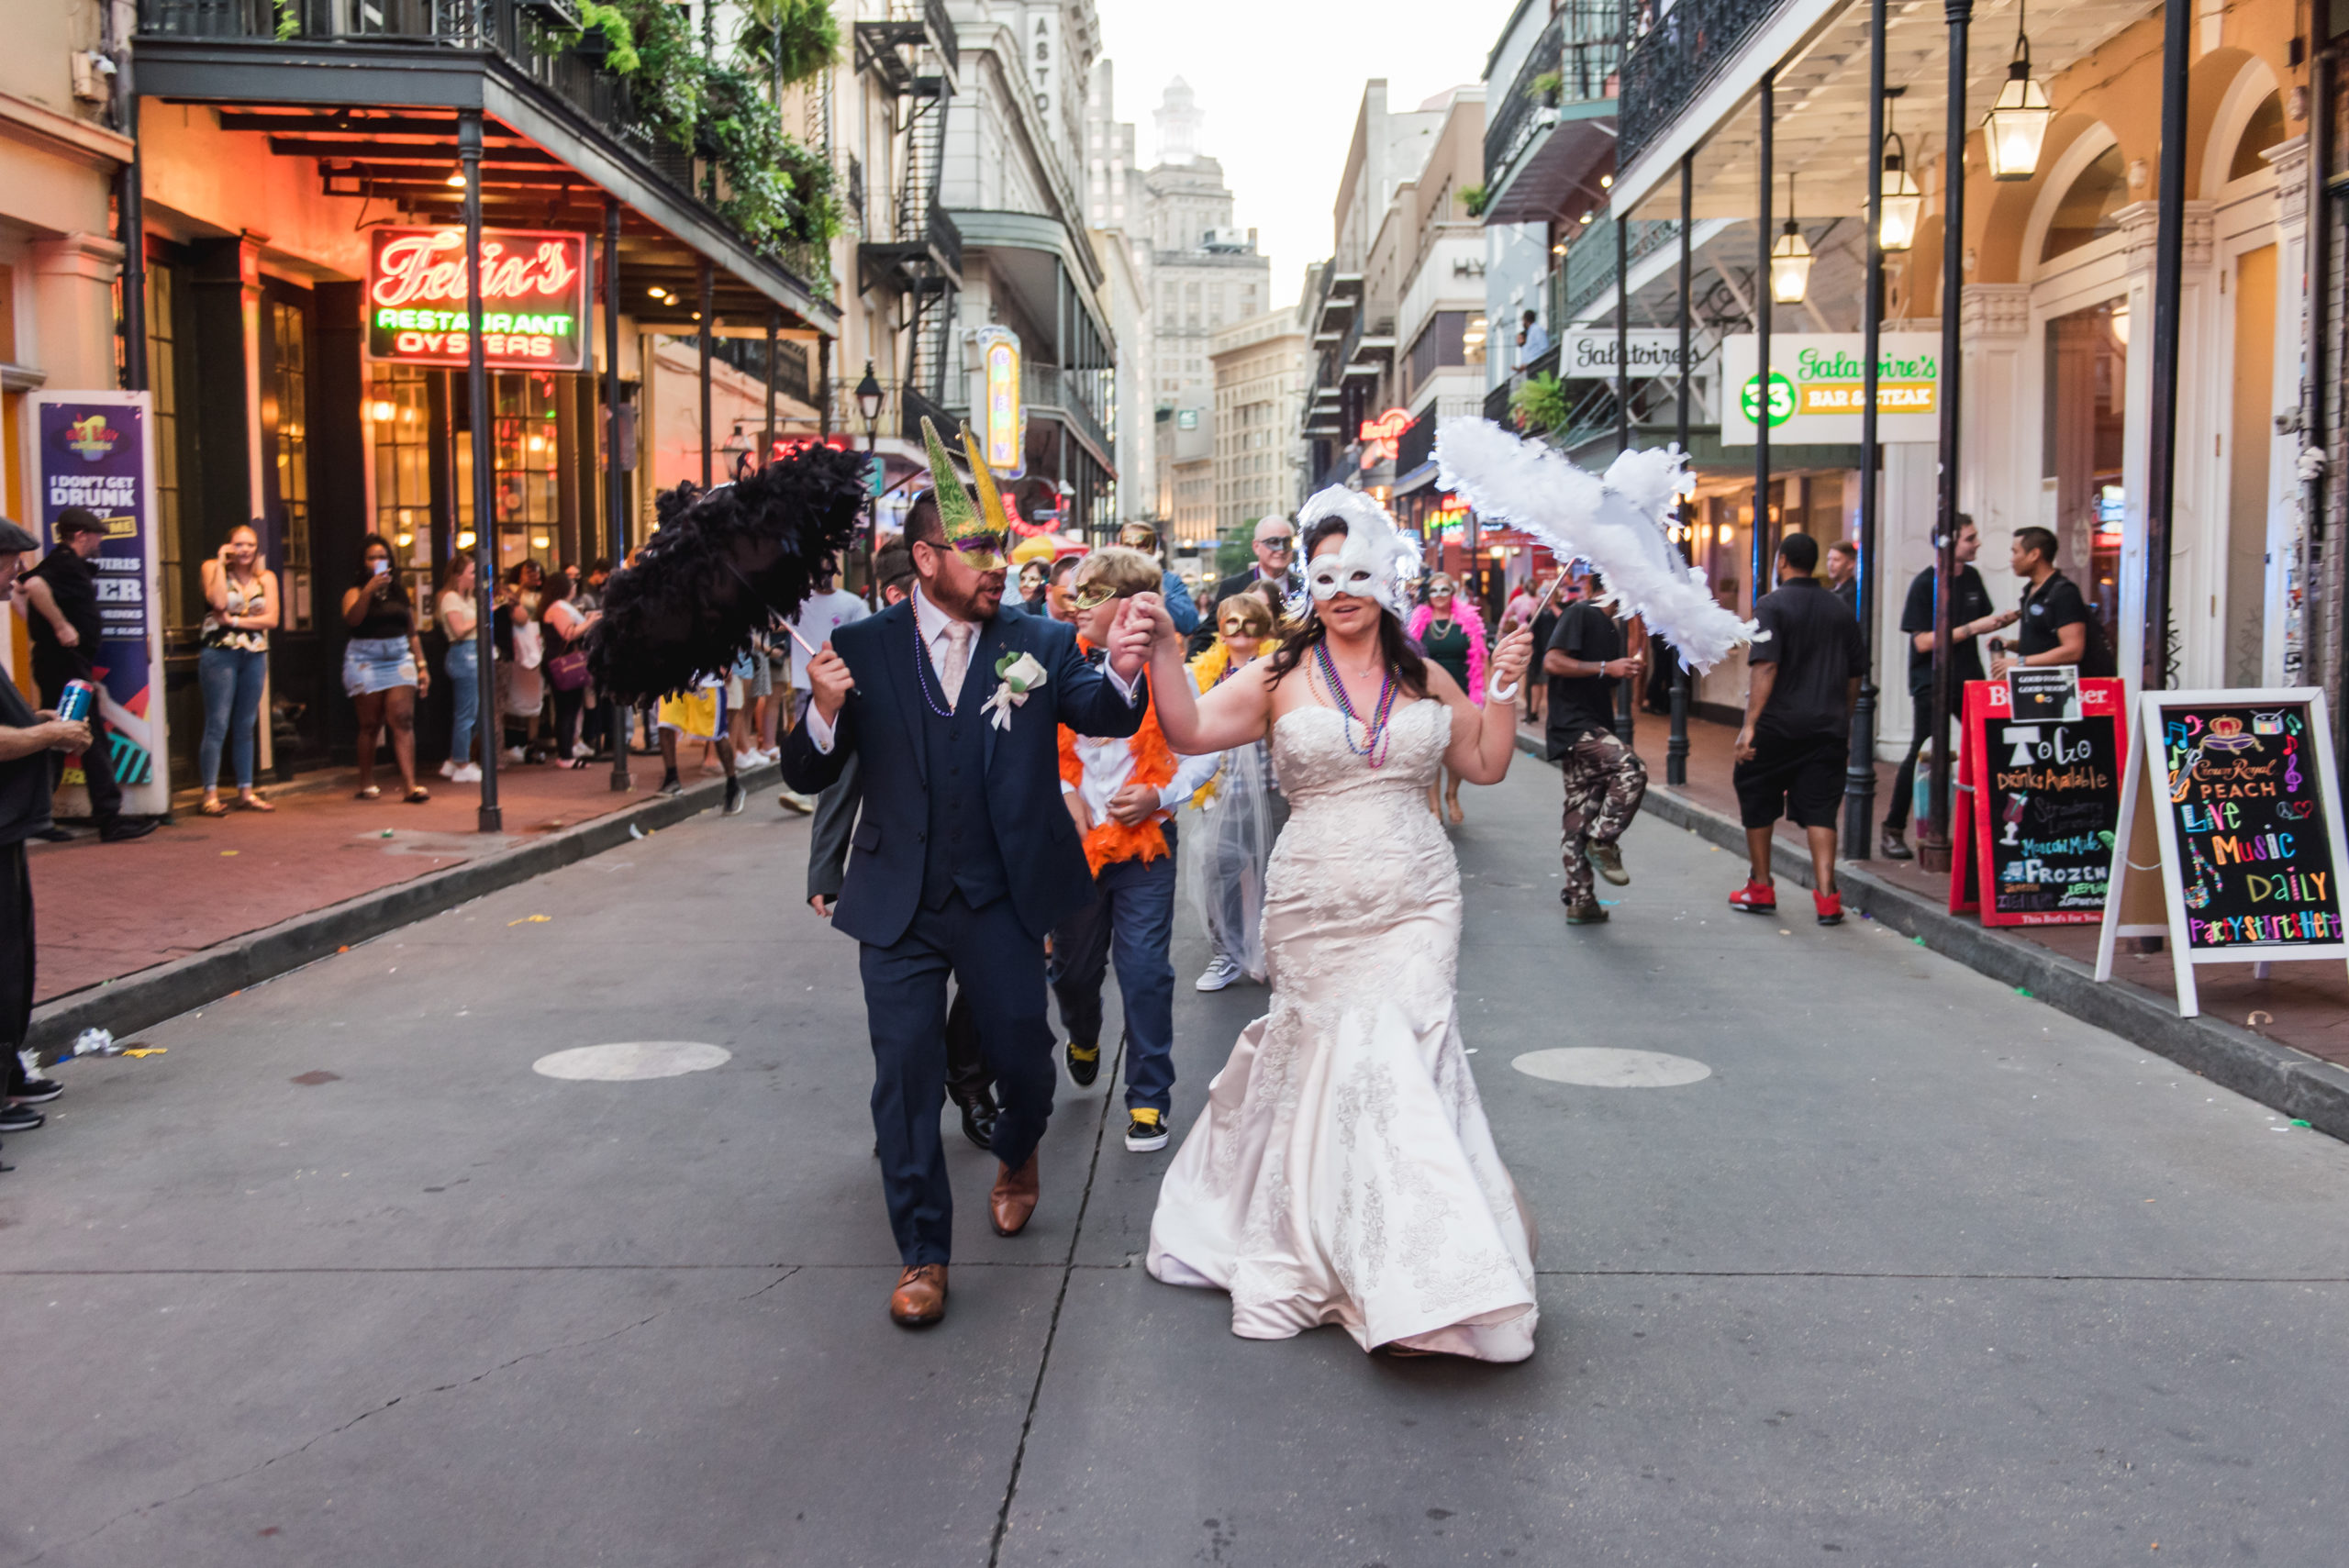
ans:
(920, 1299)
(1014, 1198)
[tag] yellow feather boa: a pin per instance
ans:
(1208, 672)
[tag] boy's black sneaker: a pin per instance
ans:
(35, 1091)
(1084, 1063)
(19, 1119)
(1146, 1129)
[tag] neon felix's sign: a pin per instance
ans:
(534, 298)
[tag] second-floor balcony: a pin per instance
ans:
(1678, 55)
(1550, 133)
(1076, 398)
(370, 92)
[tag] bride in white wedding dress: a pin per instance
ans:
(1344, 1172)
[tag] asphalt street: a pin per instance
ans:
(1922, 1273)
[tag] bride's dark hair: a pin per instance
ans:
(1396, 649)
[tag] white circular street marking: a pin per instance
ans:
(1600, 1067)
(631, 1059)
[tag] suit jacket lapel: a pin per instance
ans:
(979, 685)
(898, 654)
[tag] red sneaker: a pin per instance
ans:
(1830, 907)
(1755, 898)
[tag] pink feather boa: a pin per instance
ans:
(1466, 614)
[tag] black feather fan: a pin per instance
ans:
(722, 564)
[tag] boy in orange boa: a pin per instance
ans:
(1122, 795)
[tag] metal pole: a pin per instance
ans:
(491, 818)
(1932, 843)
(130, 200)
(1760, 564)
(1626, 703)
(2169, 246)
(766, 452)
(2320, 330)
(1859, 778)
(1675, 748)
(622, 717)
(872, 512)
(708, 329)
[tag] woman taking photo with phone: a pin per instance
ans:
(383, 666)
(241, 595)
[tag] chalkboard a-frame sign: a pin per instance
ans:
(2233, 796)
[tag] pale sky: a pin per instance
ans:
(1279, 82)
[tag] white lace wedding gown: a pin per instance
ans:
(1343, 1172)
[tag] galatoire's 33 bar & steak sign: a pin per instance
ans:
(533, 298)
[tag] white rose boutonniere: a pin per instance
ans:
(1016, 674)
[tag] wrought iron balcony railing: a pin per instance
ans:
(1077, 394)
(1570, 62)
(1676, 57)
(519, 33)
(1588, 276)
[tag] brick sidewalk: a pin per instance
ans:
(2305, 1006)
(107, 911)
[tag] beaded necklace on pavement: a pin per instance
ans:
(1373, 749)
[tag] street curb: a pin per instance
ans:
(2277, 1075)
(148, 997)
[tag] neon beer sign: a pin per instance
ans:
(534, 298)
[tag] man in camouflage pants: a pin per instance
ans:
(1605, 779)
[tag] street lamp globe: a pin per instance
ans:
(868, 395)
(1790, 266)
(1902, 201)
(2016, 126)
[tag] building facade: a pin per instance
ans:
(1260, 366)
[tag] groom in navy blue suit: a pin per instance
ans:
(964, 858)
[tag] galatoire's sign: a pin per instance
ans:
(534, 297)
(1817, 386)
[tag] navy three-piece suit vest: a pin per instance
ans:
(961, 851)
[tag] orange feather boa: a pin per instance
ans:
(1153, 766)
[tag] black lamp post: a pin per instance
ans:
(869, 397)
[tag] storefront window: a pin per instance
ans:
(525, 495)
(163, 374)
(2086, 405)
(289, 445)
(2089, 210)
(399, 409)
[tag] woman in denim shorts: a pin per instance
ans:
(383, 665)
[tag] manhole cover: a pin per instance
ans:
(631, 1059)
(1602, 1067)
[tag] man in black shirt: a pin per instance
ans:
(26, 740)
(1605, 779)
(1804, 675)
(62, 594)
(1971, 619)
(2055, 627)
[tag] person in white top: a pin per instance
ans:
(828, 610)
(1122, 794)
(459, 613)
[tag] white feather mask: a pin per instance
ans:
(1375, 562)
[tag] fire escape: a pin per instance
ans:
(911, 247)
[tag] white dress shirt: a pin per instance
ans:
(930, 623)
(1108, 764)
